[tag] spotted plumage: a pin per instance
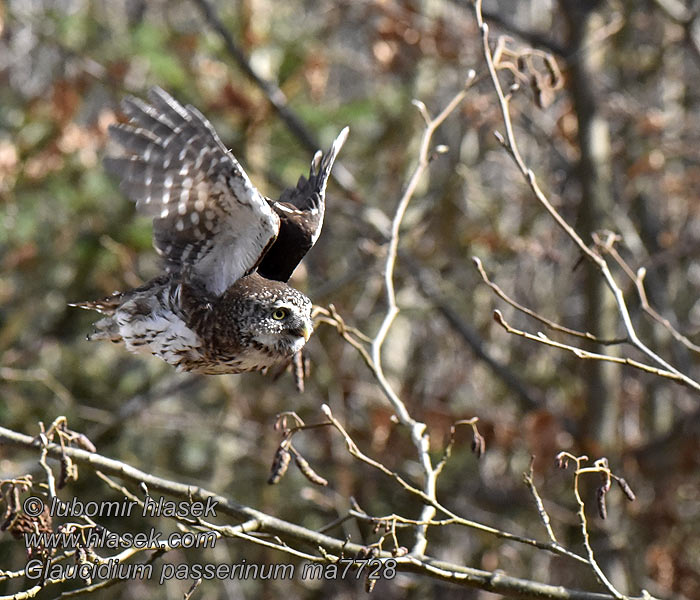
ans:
(223, 304)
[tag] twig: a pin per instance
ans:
(456, 519)
(499, 583)
(193, 587)
(529, 479)
(510, 145)
(478, 444)
(467, 576)
(638, 280)
(585, 354)
(101, 585)
(430, 291)
(531, 313)
(418, 430)
(531, 37)
(599, 468)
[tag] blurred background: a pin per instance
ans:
(615, 143)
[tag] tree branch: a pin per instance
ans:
(510, 145)
(262, 522)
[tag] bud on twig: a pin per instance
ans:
(306, 469)
(84, 442)
(600, 498)
(68, 472)
(63, 474)
(555, 78)
(626, 489)
(280, 463)
(478, 444)
(561, 461)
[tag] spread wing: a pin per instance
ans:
(301, 210)
(208, 218)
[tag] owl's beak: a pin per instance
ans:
(306, 332)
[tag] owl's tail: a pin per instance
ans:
(106, 328)
(106, 306)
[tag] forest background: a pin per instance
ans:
(584, 213)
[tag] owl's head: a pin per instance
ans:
(283, 324)
(271, 315)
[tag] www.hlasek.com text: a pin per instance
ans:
(99, 537)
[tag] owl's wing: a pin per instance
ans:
(301, 210)
(208, 218)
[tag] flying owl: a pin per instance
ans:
(223, 304)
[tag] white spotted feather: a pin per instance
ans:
(208, 218)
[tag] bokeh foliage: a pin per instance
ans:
(68, 234)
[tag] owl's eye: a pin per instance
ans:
(280, 314)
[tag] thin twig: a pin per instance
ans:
(430, 290)
(585, 354)
(529, 479)
(193, 587)
(510, 145)
(637, 278)
(467, 576)
(437, 506)
(584, 522)
(531, 313)
(419, 436)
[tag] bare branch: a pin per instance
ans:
(430, 290)
(466, 576)
(528, 478)
(531, 313)
(456, 519)
(418, 430)
(638, 280)
(585, 354)
(601, 466)
(510, 145)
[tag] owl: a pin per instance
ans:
(222, 304)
